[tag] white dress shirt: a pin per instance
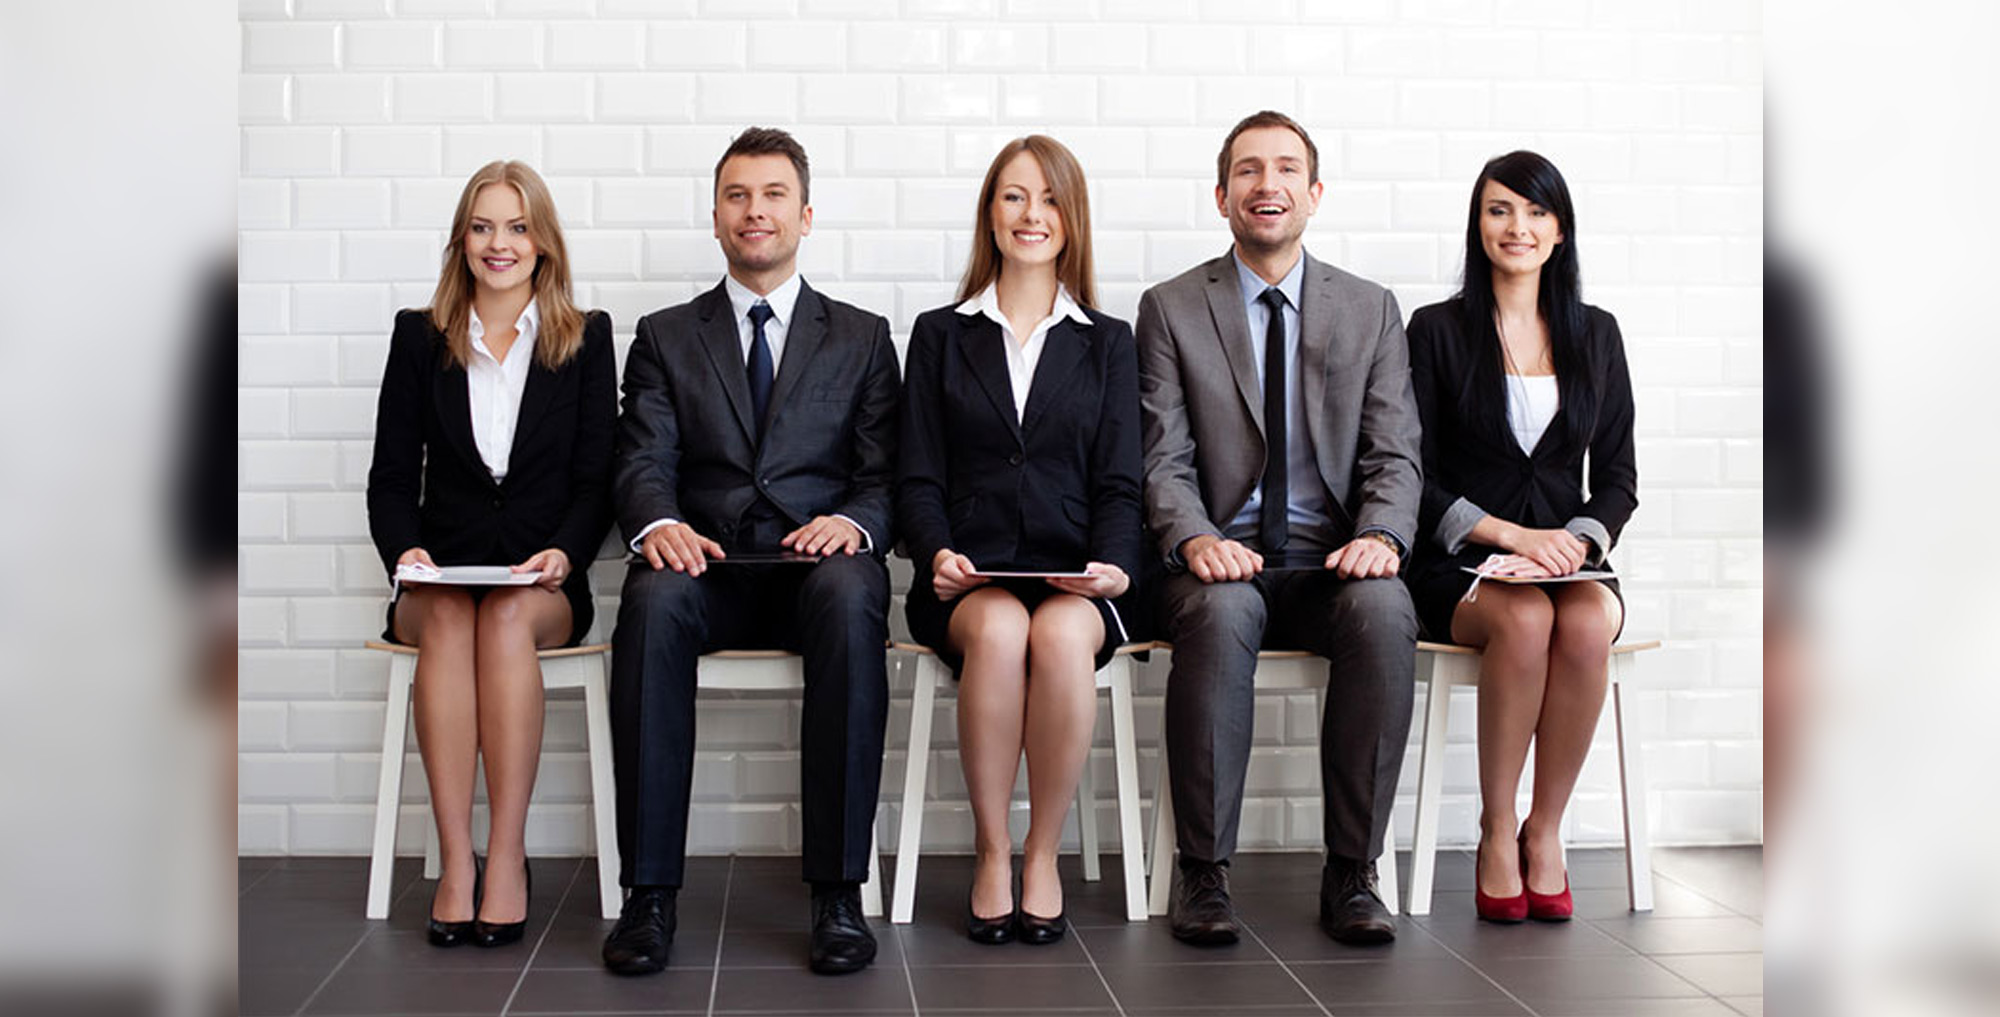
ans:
(493, 386)
(783, 300)
(1023, 356)
(1531, 405)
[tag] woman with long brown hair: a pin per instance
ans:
(493, 441)
(1020, 453)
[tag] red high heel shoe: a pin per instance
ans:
(1505, 910)
(1545, 907)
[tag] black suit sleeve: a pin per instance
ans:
(873, 462)
(649, 441)
(920, 497)
(395, 474)
(1116, 464)
(1614, 467)
(589, 513)
(1427, 332)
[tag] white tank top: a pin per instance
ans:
(1531, 404)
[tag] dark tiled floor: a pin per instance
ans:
(305, 949)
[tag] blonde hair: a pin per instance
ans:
(561, 332)
(1074, 267)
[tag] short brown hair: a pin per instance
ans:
(1074, 266)
(770, 141)
(1266, 118)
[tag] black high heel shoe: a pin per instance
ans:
(990, 931)
(502, 933)
(450, 934)
(1036, 931)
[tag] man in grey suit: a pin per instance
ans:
(759, 423)
(1282, 480)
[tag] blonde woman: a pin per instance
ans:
(493, 442)
(1020, 452)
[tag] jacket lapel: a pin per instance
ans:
(725, 351)
(1063, 349)
(803, 337)
(1225, 305)
(454, 403)
(1316, 341)
(980, 343)
(535, 396)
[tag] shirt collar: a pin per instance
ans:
(782, 300)
(527, 326)
(987, 302)
(1254, 285)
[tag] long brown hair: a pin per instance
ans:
(1074, 266)
(561, 332)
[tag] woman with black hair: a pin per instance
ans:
(1518, 383)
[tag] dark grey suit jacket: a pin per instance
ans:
(687, 446)
(1202, 407)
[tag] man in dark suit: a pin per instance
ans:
(759, 419)
(1282, 481)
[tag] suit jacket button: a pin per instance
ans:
(497, 500)
(1014, 460)
(763, 482)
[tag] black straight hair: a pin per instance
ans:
(1560, 300)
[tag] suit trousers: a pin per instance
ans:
(835, 614)
(1367, 630)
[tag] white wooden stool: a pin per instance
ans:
(581, 667)
(1277, 671)
(1442, 667)
(930, 674)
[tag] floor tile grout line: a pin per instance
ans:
(903, 948)
(1099, 972)
(1481, 972)
(1287, 969)
(349, 955)
(721, 930)
(529, 964)
(261, 876)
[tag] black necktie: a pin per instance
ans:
(1271, 524)
(759, 364)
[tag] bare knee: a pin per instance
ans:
(1065, 628)
(1584, 628)
(990, 624)
(435, 615)
(1516, 621)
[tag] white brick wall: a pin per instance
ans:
(361, 118)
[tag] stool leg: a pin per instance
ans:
(389, 789)
(1125, 752)
(1430, 780)
(871, 891)
(433, 861)
(603, 790)
(1086, 821)
(1390, 882)
(916, 770)
(1632, 786)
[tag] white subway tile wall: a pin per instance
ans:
(361, 118)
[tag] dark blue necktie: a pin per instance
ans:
(1271, 520)
(759, 364)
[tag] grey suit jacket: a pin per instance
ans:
(687, 445)
(1202, 408)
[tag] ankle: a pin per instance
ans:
(1499, 827)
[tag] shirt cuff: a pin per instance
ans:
(1402, 546)
(867, 540)
(1455, 527)
(1594, 532)
(650, 527)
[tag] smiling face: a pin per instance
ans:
(1517, 234)
(498, 248)
(1268, 193)
(760, 216)
(1027, 225)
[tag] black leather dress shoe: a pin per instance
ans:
(1350, 907)
(486, 933)
(450, 934)
(1036, 931)
(1200, 911)
(990, 931)
(638, 945)
(841, 942)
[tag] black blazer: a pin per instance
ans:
(687, 448)
(1053, 490)
(428, 487)
(1470, 453)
